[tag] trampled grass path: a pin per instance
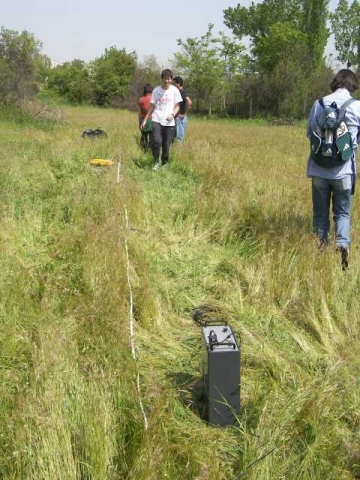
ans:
(227, 224)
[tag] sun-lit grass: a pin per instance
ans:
(228, 224)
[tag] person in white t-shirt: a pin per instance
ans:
(164, 105)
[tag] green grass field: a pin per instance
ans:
(227, 224)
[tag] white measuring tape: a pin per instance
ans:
(131, 312)
(118, 172)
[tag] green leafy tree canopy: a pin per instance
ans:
(112, 74)
(201, 61)
(20, 55)
(307, 16)
(345, 23)
(72, 81)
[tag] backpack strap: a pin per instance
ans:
(321, 102)
(343, 108)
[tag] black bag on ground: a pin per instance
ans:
(89, 133)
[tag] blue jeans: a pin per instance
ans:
(180, 124)
(322, 188)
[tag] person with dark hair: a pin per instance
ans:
(164, 105)
(144, 105)
(338, 181)
(181, 117)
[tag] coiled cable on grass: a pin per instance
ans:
(205, 315)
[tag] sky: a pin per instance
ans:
(82, 29)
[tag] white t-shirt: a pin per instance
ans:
(165, 101)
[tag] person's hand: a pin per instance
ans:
(170, 117)
(142, 126)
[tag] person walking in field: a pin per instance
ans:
(144, 105)
(164, 105)
(333, 130)
(181, 117)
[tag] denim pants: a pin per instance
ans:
(161, 138)
(180, 128)
(340, 191)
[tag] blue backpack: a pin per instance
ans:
(331, 143)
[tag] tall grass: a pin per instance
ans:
(228, 224)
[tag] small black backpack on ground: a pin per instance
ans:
(331, 143)
(89, 133)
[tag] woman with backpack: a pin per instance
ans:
(333, 132)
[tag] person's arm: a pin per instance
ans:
(188, 104)
(175, 111)
(139, 115)
(148, 114)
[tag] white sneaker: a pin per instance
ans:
(157, 166)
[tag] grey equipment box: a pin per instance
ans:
(221, 374)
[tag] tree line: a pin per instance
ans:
(280, 74)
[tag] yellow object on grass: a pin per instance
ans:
(101, 162)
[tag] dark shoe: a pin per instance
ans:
(344, 257)
(323, 244)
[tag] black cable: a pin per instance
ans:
(203, 316)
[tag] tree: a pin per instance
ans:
(281, 58)
(42, 67)
(308, 16)
(232, 56)
(19, 54)
(111, 76)
(147, 71)
(256, 20)
(314, 16)
(288, 39)
(199, 62)
(345, 23)
(279, 47)
(71, 81)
